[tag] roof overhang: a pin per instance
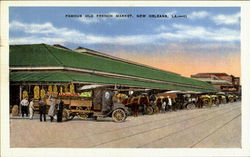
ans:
(73, 77)
(61, 68)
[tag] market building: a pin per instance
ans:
(40, 68)
(221, 81)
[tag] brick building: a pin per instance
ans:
(221, 81)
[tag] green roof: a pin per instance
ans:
(38, 55)
(66, 77)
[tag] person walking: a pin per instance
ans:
(144, 109)
(42, 110)
(24, 106)
(163, 106)
(199, 103)
(170, 103)
(174, 104)
(31, 108)
(51, 112)
(60, 110)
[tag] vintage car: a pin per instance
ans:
(183, 99)
(191, 103)
(221, 97)
(206, 100)
(99, 105)
(232, 98)
(215, 100)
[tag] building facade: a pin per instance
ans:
(221, 81)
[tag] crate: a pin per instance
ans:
(66, 101)
(85, 103)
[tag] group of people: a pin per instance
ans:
(25, 105)
(167, 104)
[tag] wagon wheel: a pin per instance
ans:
(82, 115)
(189, 106)
(149, 110)
(193, 106)
(156, 110)
(119, 115)
(67, 115)
(206, 103)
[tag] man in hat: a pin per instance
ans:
(42, 110)
(24, 106)
(60, 110)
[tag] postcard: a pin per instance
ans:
(124, 78)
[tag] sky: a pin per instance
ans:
(185, 40)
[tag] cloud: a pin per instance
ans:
(162, 28)
(46, 28)
(198, 15)
(219, 19)
(36, 40)
(208, 34)
(171, 13)
(226, 19)
(47, 33)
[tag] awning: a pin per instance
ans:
(67, 77)
(87, 87)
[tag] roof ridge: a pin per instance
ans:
(97, 53)
(58, 60)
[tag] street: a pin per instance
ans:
(216, 127)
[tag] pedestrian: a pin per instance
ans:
(42, 109)
(144, 109)
(170, 103)
(24, 106)
(199, 103)
(174, 104)
(31, 108)
(178, 103)
(51, 112)
(60, 110)
(163, 106)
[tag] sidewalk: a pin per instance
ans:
(36, 116)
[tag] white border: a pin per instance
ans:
(245, 77)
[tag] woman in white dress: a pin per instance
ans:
(51, 112)
(31, 108)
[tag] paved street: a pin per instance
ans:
(216, 127)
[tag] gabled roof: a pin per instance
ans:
(42, 55)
